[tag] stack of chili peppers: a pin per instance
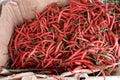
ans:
(82, 35)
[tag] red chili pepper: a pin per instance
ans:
(83, 34)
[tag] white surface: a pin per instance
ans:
(107, 78)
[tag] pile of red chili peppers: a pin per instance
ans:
(82, 35)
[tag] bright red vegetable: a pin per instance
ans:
(83, 34)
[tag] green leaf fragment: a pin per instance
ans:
(104, 29)
(104, 55)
